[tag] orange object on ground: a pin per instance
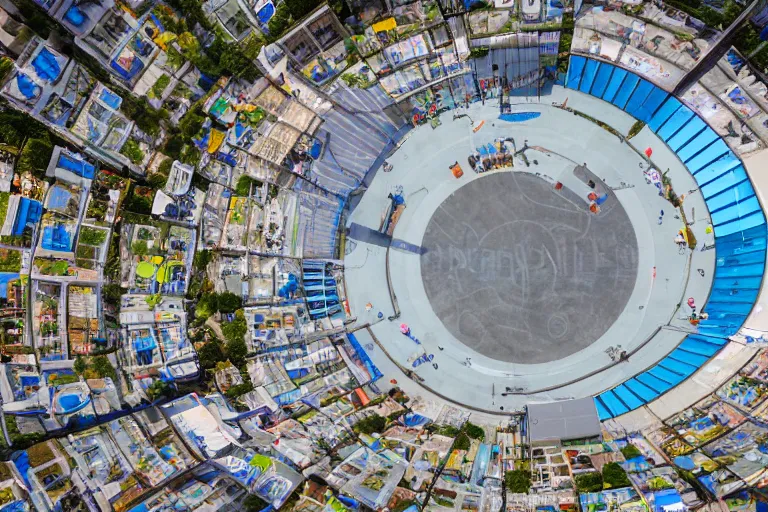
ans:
(362, 396)
(594, 208)
(558, 186)
(456, 170)
(592, 196)
(476, 128)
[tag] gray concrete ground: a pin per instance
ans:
(521, 272)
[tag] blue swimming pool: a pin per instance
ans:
(519, 117)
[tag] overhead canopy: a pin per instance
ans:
(569, 419)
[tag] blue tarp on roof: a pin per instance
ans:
(110, 98)
(29, 212)
(56, 238)
(46, 66)
(77, 166)
(27, 87)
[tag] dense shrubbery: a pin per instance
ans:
(234, 331)
(614, 476)
(518, 481)
(97, 367)
(210, 353)
(239, 390)
(244, 184)
(35, 156)
(132, 151)
(589, 482)
(92, 236)
(370, 424)
(462, 442)
(474, 431)
(210, 303)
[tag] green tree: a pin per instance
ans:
(300, 8)
(157, 180)
(139, 110)
(104, 368)
(731, 11)
(236, 352)
(239, 390)
(207, 305)
(112, 293)
(80, 365)
(190, 155)
(6, 65)
(153, 299)
(253, 503)
(192, 122)
(140, 248)
(279, 23)
(229, 302)
(15, 126)
(165, 167)
(448, 431)
(244, 183)
(132, 151)
(614, 476)
(462, 442)
(518, 481)
(236, 329)
(210, 353)
(233, 62)
(474, 431)
(158, 389)
(35, 156)
(202, 259)
(92, 236)
(589, 482)
(370, 424)
(353, 80)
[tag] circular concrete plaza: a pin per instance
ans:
(522, 273)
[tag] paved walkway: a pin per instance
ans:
(421, 169)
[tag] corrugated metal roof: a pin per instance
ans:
(569, 419)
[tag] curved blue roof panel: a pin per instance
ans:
(737, 217)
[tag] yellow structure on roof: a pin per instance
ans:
(383, 26)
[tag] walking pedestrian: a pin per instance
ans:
(441, 348)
